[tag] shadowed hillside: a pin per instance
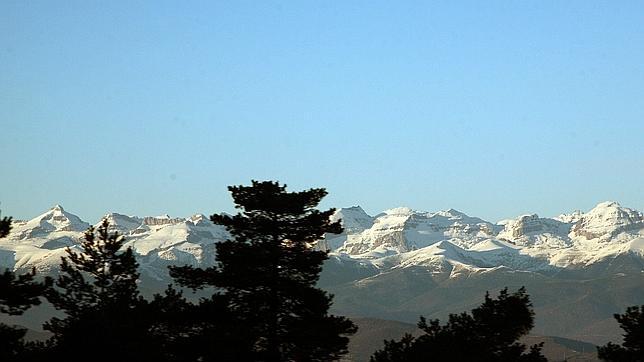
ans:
(372, 332)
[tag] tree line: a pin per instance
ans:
(262, 303)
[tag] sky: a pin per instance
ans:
(496, 109)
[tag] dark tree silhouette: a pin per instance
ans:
(489, 333)
(17, 294)
(266, 275)
(5, 226)
(632, 349)
(105, 318)
(206, 331)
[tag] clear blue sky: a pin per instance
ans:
(492, 108)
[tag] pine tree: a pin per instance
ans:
(632, 349)
(489, 333)
(17, 294)
(266, 275)
(105, 318)
(205, 331)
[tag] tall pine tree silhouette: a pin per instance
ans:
(266, 274)
(105, 318)
(632, 349)
(489, 334)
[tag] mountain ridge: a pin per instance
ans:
(452, 236)
(581, 268)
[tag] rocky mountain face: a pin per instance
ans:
(580, 268)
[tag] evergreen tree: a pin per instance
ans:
(17, 294)
(105, 318)
(206, 331)
(632, 349)
(490, 333)
(266, 276)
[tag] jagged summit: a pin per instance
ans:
(199, 218)
(353, 218)
(56, 219)
(453, 212)
(607, 219)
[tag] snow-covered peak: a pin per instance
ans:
(402, 229)
(607, 219)
(53, 220)
(122, 223)
(354, 219)
(607, 205)
(452, 214)
(200, 220)
(353, 210)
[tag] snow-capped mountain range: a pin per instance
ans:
(450, 240)
(579, 268)
(442, 242)
(158, 241)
